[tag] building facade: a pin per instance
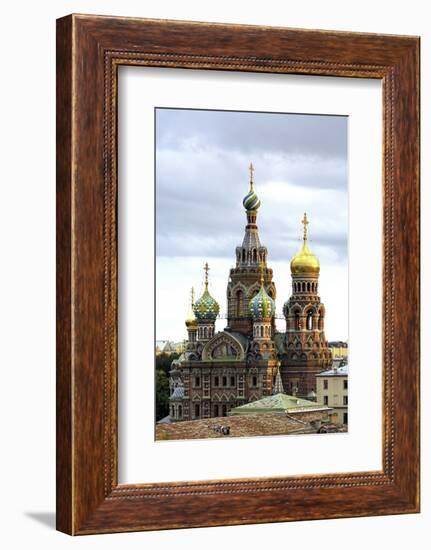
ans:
(332, 391)
(243, 363)
(305, 351)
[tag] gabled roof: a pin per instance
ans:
(279, 403)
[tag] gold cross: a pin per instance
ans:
(192, 296)
(251, 168)
(305, 222)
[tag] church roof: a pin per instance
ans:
(279, 403)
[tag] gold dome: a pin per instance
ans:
(305, 261)
(191, 319)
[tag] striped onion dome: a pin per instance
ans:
(262, 306)
(251, 201)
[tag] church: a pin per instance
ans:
(250, 359)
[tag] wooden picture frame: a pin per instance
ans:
(89, 51)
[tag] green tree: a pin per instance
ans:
(164, 360)
(162, 394)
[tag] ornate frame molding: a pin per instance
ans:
(90, 50)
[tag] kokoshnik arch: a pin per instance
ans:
(250, 359)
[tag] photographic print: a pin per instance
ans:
(251, 274)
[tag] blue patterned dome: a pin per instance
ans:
(262, 306)
(251, 201)
(206, 308)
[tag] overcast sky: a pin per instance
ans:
(202, 160)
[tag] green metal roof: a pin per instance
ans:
(279, 403)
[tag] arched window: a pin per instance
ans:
(261, 331)
(180, 411)
(303, 287)
(308, 287)
(197, 410)
(223, 410)
(239, 303)
(254, 256)
(205, 332)
(243, 254)
(297, 321)
(310, 320)
(216, 413)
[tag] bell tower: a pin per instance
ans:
(306, 349)
(244, 278)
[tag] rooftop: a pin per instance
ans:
(277, 404)
(338, 371)
(239, 426)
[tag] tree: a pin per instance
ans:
(162, 394)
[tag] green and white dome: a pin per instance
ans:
(251, 201)
(206, 308)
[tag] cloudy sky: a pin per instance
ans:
(202, 160)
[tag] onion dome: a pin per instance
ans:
(191, 319)
(261, 306)
(206, 308)
(251, 201)
(305, 261)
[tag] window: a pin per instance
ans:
(325, 384)
(345, 384)
(223, 410)
(216, 413)
(216, 381)
(197, 410)
(232, 380)
(254, 381)
(325, 399)
(197, 381)
(345, 418)
(345, 400)
(180, 411)
(224, 381)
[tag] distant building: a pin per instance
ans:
(332, 391)
(340, 350)
(168, 347)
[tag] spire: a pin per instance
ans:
(206, 269)
(261, 271)
(191, 319)
(278, 386)
(251, 168)
(305, 222)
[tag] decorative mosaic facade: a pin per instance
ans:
(249, 359)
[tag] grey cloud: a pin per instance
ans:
(250, 133)
(202, 176)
